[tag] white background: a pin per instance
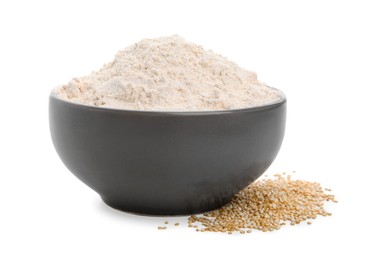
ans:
(317, 52)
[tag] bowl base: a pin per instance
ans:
(161, 212)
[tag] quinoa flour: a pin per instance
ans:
(169, 74)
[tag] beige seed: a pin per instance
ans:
(176, 224)
(267, 205)
(166, 222)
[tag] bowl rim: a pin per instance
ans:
(267, 106)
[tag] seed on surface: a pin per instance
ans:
(166, 222)
(176, 224)
(267, 205)
(309, 223)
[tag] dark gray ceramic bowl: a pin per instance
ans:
(166, 163)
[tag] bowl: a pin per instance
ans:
(166, 163)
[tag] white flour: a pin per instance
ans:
(169, 74)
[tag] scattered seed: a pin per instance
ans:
(166, 222)
(309, 223)
(267, 205)
(176, 224)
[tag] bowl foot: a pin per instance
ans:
(160, 211)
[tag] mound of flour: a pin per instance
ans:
(169, 74)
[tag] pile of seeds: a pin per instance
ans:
(267, 205)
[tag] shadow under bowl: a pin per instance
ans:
(166, 163)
